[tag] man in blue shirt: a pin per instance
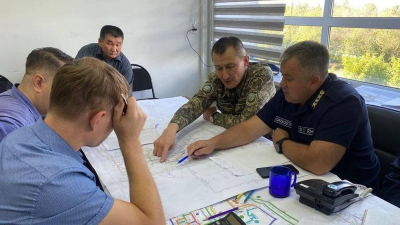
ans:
(42, 176)
(321, 123)
(108, 49)
(24, 103)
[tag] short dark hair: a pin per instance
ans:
(46, 59)
(223, 43)
(312, 56)
(86, 85)
(111, 30)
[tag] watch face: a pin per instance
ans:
(278, 150)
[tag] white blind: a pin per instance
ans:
(259, 24)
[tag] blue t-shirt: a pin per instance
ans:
(43, 180)
(336, 113)
(121, 63)
(16, 111)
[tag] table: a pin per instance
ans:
(197, 189)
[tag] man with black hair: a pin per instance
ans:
(240, 90)
(108, 49)
(24, 103)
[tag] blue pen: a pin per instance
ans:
(248, 196)
(184, 158)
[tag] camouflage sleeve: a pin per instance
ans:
(190, 111)
(260, 90)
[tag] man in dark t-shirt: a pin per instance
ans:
(108, 49)
(321, 123)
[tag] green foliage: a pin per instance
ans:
(367, 68)
(370, 55)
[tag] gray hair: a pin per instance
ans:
(312, 56)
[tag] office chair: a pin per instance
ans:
(5, 84)
(142, 79)
(385, 123)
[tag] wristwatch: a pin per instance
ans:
(212, 117)
(278, 145)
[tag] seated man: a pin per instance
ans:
(321, 123)
(24, 103)
(108, 49)
(391, 184)
(239, 89)
(42, 177)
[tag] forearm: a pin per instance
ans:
(315, 158)
(190, 111)
(141, 179)
(241, 134)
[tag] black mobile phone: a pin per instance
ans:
(264, 171)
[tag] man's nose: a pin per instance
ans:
(225, 74)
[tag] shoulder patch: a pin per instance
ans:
(251, 97)
(207, 88)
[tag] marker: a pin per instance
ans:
(221, 213)
(239, 196)
(184, 158)
(248, 196)
(125, 102)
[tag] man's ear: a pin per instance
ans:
(99, 41)
(38, 81)
(246, 60)
(96, 119)
(315, 81)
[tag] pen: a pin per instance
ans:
(221, 213)
(187, 156)
(239, 196)
(125, 102)
(248, 196)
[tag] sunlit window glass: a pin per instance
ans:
(366, 8)
(304, 8)
(370, 55)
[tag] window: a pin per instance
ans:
(259, 24)
(362, 36)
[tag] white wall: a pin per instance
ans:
(155, 35)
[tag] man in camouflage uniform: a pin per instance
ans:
(239, 89)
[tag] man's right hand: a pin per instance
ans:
(128, 126)
(165, 142)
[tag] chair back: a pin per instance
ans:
(385, 123)
(5, 84)
(142, 79)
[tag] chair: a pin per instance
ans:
(385, 123)
(5, 84)
(142, 79)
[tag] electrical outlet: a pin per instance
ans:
(194, 25)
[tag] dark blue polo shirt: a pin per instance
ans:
(391, 184)
(121, 63)
(336, 113)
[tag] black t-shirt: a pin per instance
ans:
(336, 113)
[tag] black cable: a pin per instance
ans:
(194, 29)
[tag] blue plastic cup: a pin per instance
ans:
(280, 178)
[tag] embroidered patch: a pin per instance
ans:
(207, 88)
(315, 103)
(283, 122)
(306, 130)
(251, 97)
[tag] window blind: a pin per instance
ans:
(259, 24)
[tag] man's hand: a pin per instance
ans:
(199, 148)
(279, 134)
(128, 126)
(209, 112)
(165, 142)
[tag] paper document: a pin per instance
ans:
(229, 166)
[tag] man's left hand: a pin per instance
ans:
(209, 112)
(279, 134)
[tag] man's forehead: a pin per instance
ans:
(110, 38)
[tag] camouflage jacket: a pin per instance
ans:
(236, 105)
